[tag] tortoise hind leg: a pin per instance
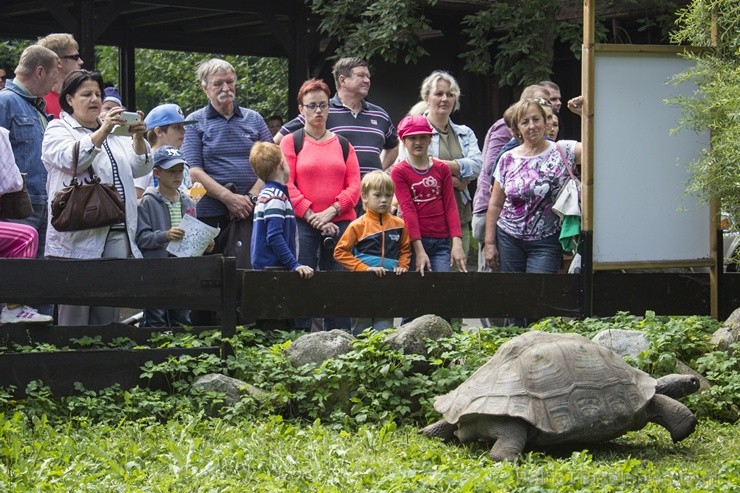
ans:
(673, 416)
(511, 437)
(441, 429)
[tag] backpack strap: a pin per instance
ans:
(299, 135)
(345, 146)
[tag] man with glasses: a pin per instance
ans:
(66, 48)
(367, 126)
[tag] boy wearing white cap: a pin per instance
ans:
(165, 126)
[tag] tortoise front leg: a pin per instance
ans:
(511, 436)
(673, 416)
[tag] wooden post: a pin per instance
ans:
(587, 140)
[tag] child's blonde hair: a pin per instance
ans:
(377, 180)
(265, 158)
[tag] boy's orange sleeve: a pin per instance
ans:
(343, 250)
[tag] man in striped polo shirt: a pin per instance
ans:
(217, 148)
(367, 126)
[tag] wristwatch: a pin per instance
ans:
(252, 197)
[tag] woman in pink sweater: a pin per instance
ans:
(324, 187)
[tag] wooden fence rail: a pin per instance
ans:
(213, 283)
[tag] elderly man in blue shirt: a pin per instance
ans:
(217, 147)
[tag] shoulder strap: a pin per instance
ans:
(565, 160)
(299, 135)
(345, 146)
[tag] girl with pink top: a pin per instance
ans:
(426, 197)
(323, 187)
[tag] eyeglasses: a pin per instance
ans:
(74, 57)
(315, 106)
(361, 76)
(542, 101)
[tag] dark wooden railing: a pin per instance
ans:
(212, 283)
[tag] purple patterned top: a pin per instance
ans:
(531, 184)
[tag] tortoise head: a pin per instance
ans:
(677, 386)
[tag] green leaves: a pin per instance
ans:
(385, 29)
(714, 106)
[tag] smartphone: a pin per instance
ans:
(130, 117)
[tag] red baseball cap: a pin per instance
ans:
(414, 125)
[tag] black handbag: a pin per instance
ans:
(87, 205)
(16, 205)
(235, 240)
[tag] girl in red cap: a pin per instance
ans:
(427, 200)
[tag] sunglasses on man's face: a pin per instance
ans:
(74, 57)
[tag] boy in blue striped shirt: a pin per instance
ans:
(274, 244)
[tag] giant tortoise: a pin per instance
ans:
(542, 389)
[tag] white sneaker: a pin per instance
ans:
(23, 314)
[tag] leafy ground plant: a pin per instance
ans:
(274, 455)
(350, 424)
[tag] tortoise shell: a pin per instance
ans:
(566, 386)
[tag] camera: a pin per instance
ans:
(328, 242)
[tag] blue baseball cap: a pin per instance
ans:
(167, 156)
(110, 94)
(165, 114)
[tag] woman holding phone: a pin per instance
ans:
(116, 159)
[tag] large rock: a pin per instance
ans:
(685, 369)
(623, 342)
(410, 337)
(729, 333)
(317, 347)
(232, 389)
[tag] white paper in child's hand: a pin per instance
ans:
(197, 237)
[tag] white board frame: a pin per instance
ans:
(641, 215)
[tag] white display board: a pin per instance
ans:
(640, 211)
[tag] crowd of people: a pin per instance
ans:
(339, 187)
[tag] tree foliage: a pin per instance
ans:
(169, 77)
(716, 103)
(513, 39)
(388, 29)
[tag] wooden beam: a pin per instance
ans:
(284, 295)
(141, 283)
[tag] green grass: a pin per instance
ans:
(351, 424)
(276, 455)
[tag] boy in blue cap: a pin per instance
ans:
(165, 126)
(160, 211)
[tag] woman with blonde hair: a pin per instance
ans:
(453, 144)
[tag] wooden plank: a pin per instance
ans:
(284, 295)
(663, 293)
(194, 283)
(29, 334)
(95, 369)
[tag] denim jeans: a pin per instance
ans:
(438, 250)
(313, 253)
(535, 256)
